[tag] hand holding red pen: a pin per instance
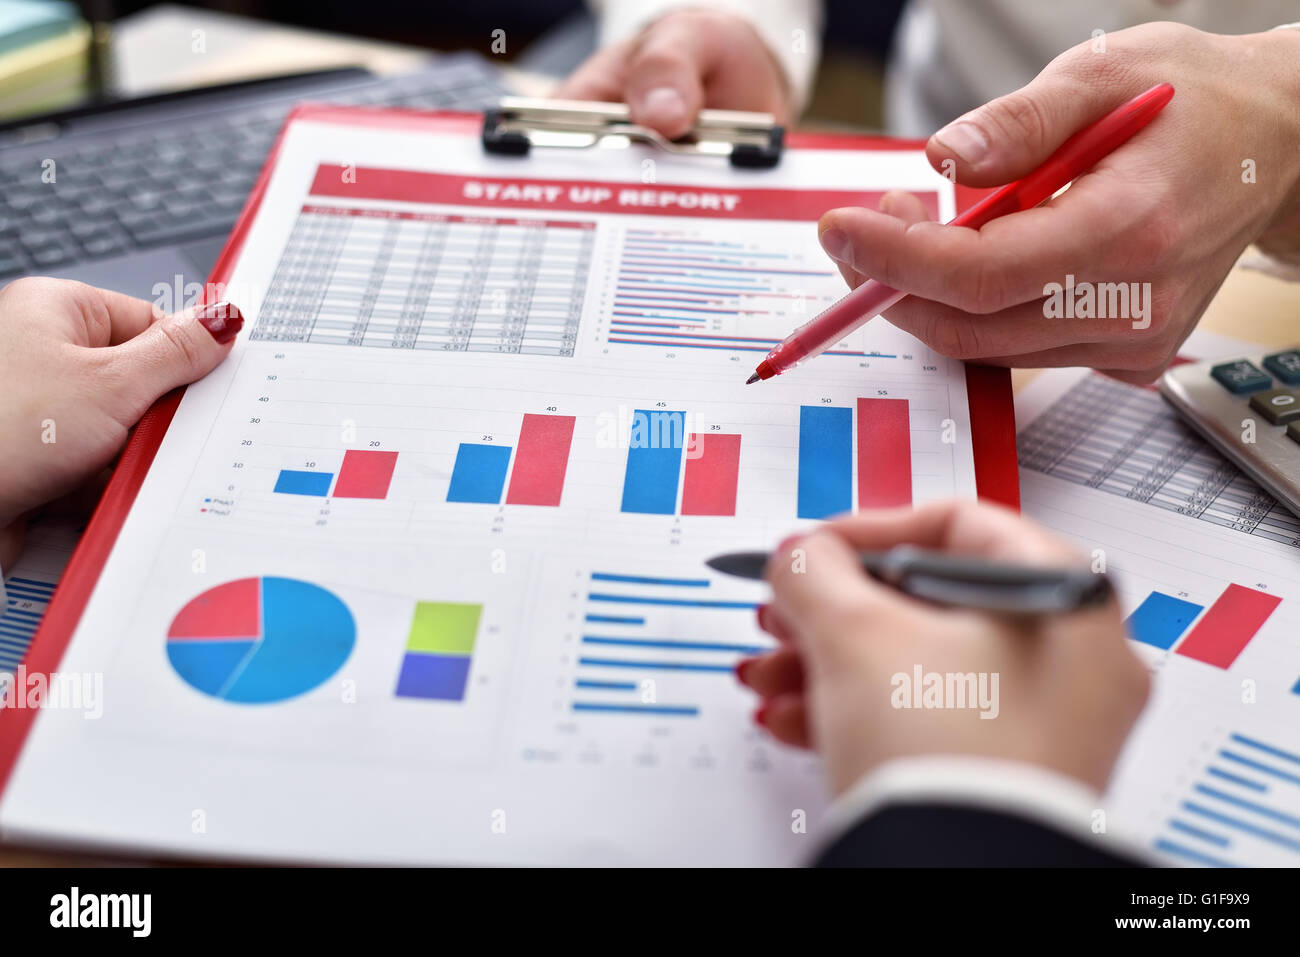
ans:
(1173, 208)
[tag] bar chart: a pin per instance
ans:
(635, 659)
(1242, 809)
(439, 650)
(700, 289)
(658, 445)
(365, 473)
(1219, 635)
(541, 460)
(827, 461)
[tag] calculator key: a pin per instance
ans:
(1279, 406)
(1293, 432)
(1241, 377)
(1285, 365)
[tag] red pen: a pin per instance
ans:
(1080, 153)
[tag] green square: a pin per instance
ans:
(444, 627)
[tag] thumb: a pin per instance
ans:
(171, 352)
(664, 82)
(1008, 137)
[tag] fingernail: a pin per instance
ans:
(966, 140)
(760, 716)
(742, 668)
(761, 615)
(222, 320)
(664, 104)
(836, 243)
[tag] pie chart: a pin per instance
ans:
(260, 640)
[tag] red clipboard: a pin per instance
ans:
(989, 391)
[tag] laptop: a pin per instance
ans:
(143, 192)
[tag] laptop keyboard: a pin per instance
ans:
(168, 183)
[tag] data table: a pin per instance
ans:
(406, 280)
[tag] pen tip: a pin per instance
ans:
(752, 379)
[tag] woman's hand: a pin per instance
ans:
(1218, 169)
(684, 61)
(78, 367)
(1068, 688)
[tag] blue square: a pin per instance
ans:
(441, 677)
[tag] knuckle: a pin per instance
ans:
(956, 340)
(1020, 118)
(181, 339)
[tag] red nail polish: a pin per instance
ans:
(760, 716)
(742, 668)
(761, 614)
(222, 320)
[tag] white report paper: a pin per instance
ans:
(416, 578)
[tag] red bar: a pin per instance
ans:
(1228, 626)
(541, 460)
(884, 453)
(712, 469)
(365, 474)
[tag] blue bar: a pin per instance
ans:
(1161, 619)
(638, 600)
(605, 685)
(666, 709)
(825, 461)
(647, 580)
(1186, 828)
(1244, 782)
(479, 474)
(616, 619)
(1249, 806)
(654, 462)
(33, 583)
(1266, 748)
(1169, 847)
(1258, 766)
(652, 665)
(1253, 829)
(671, 643)
(293, 482)
(26, 593)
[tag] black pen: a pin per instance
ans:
(961, 581)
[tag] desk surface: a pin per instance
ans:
(154, 51)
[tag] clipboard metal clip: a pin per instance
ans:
(748, 140)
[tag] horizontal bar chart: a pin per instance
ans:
(439, 647)
(1161, 620)
(1227, 627)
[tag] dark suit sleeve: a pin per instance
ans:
(954, 835)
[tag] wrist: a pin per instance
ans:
(1281, 53)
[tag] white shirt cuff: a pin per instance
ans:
(775, 21)
(992, 784)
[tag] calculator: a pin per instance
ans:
(1249, 409)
